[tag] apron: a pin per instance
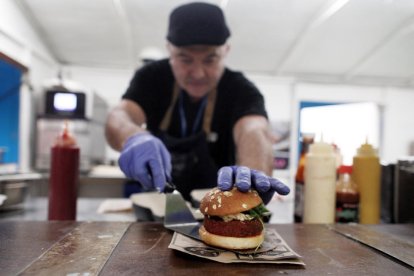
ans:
(192, 165)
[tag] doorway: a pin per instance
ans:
(347, 125)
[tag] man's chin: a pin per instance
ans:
(197, 93)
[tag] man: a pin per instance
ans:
(183, 118)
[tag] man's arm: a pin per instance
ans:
(253, 143)
(123, 121)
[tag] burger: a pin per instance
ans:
(232, 219)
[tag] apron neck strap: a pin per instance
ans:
(208, 113)
(165, 123)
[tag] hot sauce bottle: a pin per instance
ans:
(347, 196)
(64, 176)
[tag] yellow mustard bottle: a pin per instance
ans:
(367, 174)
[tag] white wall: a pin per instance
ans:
(278, 95)
(398, 132)
(21, 42)
(110, 84)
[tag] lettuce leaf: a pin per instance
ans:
(259, 212)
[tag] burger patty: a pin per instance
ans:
(233, 228)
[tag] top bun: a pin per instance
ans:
(222, 203)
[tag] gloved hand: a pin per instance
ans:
(244, 179)
(145, 158)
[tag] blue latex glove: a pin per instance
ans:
(244, 179)
(145, 158)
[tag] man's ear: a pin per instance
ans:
(226, 48)
(168, 47)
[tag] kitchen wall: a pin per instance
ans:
(20, 41)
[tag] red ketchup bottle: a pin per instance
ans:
(64, 176)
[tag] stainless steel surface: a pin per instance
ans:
(15, 192)
(16, 187)
(35, 209)
(90, 186)
(178, 216)
(47, 131)
(21, 177)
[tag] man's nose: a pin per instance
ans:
(198, 71)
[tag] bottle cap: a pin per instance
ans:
(366, 150)
(65, 139)
(321, 148)
(345, 169)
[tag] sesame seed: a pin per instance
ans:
(244, 205)
(214, 207)
(205, 210)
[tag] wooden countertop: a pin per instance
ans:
(132, 248)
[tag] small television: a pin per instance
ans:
(65, 104)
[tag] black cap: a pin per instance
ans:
(197, 24)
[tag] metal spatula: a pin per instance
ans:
(178, 216)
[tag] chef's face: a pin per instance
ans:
(197, 69)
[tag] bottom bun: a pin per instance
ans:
(230, 242)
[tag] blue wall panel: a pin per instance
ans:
(10, 78)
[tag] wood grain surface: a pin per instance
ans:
(141, 249)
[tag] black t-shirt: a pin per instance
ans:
(152, 88)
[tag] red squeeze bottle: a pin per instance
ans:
(64, 175)
(347, 196)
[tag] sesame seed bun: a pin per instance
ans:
(222, 203)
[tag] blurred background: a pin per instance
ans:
(339, 69)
